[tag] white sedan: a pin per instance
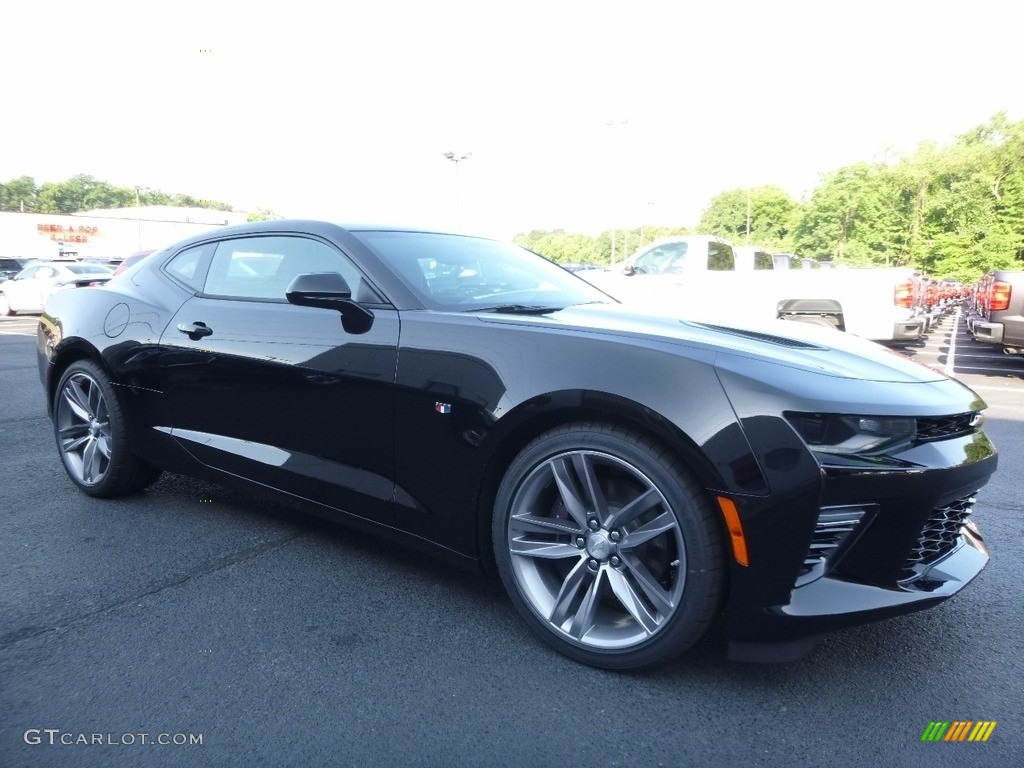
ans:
(27, 290)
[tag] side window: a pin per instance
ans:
(45, 272)
(264, 267)
(720, 257)
(666, 258)
(763, 260)
(187, 266)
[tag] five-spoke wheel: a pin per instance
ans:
(91, 434)
(83, 429)
(608, 546)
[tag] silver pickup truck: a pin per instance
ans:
(998, 316)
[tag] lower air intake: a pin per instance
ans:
(834, 528)
(940, 536)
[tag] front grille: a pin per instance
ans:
(939, 536)
(943, 427)
(834, 527)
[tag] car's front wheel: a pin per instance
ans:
(608, 546)
(92, 434)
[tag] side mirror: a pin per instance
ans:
(628, 269)
(329, 290)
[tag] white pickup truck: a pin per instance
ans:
(699, 276)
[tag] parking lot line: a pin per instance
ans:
(951, 355)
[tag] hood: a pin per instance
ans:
(796, 345)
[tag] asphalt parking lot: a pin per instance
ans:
(278, 639)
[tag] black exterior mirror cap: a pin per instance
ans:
(327, 285)
(329, 290)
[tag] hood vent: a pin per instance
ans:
(768, 338)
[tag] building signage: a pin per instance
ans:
(69, 233)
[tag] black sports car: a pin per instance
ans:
(629, 476)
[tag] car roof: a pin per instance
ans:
(312, 226)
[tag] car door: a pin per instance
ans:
(276, 393)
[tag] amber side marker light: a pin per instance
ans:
(732, 522)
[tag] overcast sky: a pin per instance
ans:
(578, 115)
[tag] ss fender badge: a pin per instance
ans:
(443, 407)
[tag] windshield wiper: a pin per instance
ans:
(517, 309)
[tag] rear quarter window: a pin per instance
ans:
(189, 266)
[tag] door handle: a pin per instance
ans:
(196, 330)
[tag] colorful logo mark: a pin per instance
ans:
(958, 730)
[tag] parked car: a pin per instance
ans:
(581, 266)
(628, 475)
(27, 291)
(10, 267)
(110, 261)
(999, 319)
(130, 260)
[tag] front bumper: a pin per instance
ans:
(871, 542)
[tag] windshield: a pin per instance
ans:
(461, 273)
(665, 258)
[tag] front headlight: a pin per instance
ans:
(838, 433)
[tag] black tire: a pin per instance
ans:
(92, 436)
(625, 577)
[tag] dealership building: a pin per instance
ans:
(107, 234)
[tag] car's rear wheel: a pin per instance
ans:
(92, 435)
(608, 546)
(5, 306)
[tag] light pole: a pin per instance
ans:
(138, 216)
(748, 215)
(457, 158)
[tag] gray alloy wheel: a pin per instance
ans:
(5, 306)
(91, 435)
(83, 429)
(608, 547)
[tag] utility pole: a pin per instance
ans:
(748, 215)
(138, 217)
(457, 158)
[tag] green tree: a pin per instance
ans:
(82, 192)
(839, 221)
(561, 246)
(773, 214)
(19, 194)
(262, 214)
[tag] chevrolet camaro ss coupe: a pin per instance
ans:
(632, 478)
